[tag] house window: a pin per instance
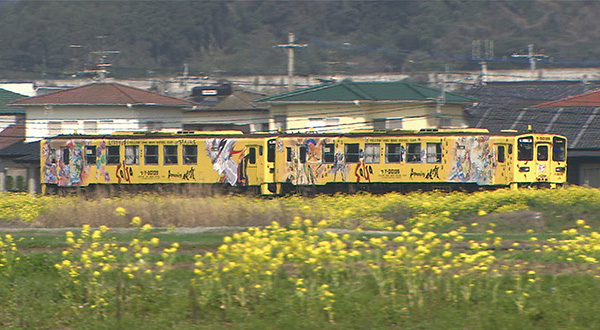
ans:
(280, 122)
(372, 153)
(387, 123)
(413, 154)
(434, 152)
(332, 124)
(190, 154)
(329, 153)
(90, 127)
(153, 125)
(132, 155)
(379, 123)
(151, 155)
(90, 155)
(54, 128)
(393, 152)
(352, 152)
(393, 123)
(316, 124)
(170, 155)
(113, 155)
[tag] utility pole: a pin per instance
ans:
(290, 47)
(532, 57)
(483, 56)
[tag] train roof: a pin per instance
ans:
(239, 134)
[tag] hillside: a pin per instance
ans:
(155, 37)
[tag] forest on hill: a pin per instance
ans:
(60, 38)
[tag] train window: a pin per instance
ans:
(542, 152)
(288, 154)
(393, 152)
(151, 155)
(501, 154)
(525, 148)
(352, 152)
(413, 154)
(113, 155)
(329, 153)
(434, 152)
(252, 155)
(190, 154)
(132, 155)
(271, 150)
(170, 155)
(303, 150)
(372, 151)
(66, 156)
(558, 150)
(90, 155)
(510, 148)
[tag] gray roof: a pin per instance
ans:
(507, 106)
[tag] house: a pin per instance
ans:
(100, 108)
(20, 167)
(578, 118)
(568, 108)
(345, 106)
(9, 116)
(222, 108)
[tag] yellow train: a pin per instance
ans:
(274, 164)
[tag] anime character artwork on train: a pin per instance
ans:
(143, 159)
(286, 163)
(401, 160)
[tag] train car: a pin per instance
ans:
(274, 164)
(444, 159)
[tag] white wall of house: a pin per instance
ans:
(52, 120)
(343, 117)
(7, 120)
(256, 119)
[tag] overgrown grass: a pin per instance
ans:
(511, 211)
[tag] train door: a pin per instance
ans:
(254, 165)
(502, 164)
(542, 159)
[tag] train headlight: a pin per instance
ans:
(560, 169)
(524, 169)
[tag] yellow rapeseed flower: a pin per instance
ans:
(136, 221)
(121, 211)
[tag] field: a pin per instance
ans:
(525, 259)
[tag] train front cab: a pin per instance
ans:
(541, 161)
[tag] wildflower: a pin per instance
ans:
(136, 221)
(121, 211)
(147, 227)
(580, 222)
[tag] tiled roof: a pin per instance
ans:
(365, 91)
(104, 94)
(238, 100)
(7, 97)
(589, 99)
(12, 134)
(23, 152)
(511, 106)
